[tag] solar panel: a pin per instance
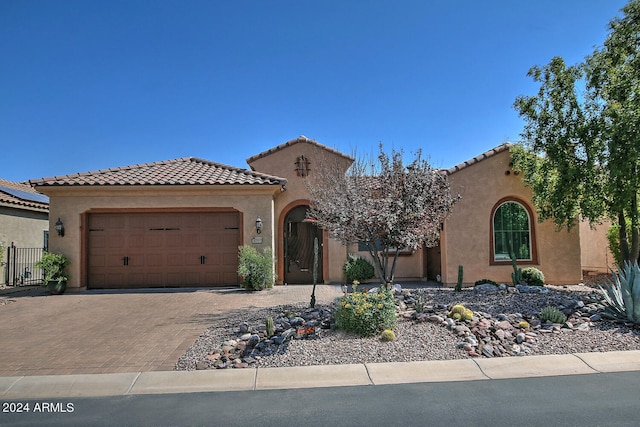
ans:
(25, 195)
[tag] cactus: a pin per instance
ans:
(532, 276)
(460, 312)
(553, 315)
(312, 303)
(516, 276)
(388, 335)
(270, 326)
(458, 287)
(458, 308)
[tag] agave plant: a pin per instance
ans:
(622, 293)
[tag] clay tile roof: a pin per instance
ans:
(24, 197)
(291, 142)
(183, 171)
(499, 149)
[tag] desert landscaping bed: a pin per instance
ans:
(239, 340)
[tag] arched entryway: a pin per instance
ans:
(298, 236)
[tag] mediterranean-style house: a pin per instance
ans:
(179, 223)
(24, 223)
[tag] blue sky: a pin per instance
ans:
(88, 84)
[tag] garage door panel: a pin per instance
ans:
(154, 259)
(153, 239)
(177, 260)
(163, 249)
(135, 240)
(229, 259)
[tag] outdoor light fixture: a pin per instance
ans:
(59, 227)
(259, 225)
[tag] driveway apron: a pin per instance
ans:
(127, 331)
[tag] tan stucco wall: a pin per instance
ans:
(467, 232)
(23, 228)
(69, 203)
(281, 163)
(595, 255)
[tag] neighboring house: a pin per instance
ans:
(180, 222)
(24, 219)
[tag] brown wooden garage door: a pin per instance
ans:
(132, 250)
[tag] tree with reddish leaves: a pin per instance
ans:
(386, 205)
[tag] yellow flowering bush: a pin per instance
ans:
(366, 313)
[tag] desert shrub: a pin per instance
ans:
(388, 335)
(485, 281)
(532, 276)
(366, 313)
(256, 269)
(358, 268)
(552, 314)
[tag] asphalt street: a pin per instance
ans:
(607, 399)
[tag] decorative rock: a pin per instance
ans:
(506, 325)
(583, 327)
(253, 340)
(520, 338)
(595, 317)
(486, 288)
(435, 318)
(201, 366)
(243, 328)
(296, 321)
(487, 350)
(461, 330)
(525, 289)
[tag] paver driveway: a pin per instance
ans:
(129, 331)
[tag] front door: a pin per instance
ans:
(299, 235)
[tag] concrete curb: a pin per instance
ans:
(135, 383)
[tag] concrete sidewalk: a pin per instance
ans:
(135, 383)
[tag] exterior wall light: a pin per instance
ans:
(59, 227)
(258, 225)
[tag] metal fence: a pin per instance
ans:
(19, 266)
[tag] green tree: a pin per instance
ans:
(388, 206)
(580, 152)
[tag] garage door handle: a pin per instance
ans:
(125, 260)
(202, 258)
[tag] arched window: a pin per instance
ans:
(512, 233)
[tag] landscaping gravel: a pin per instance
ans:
(422, 337)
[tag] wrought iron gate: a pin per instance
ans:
(19, 268)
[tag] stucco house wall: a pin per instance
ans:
(281, 161)
(595, 254)
(25, 228)
(483, 182)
